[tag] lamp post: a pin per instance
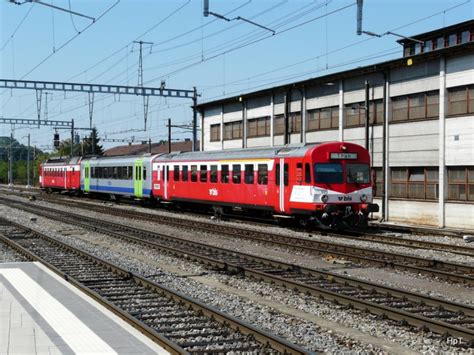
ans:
(10, 163)
(28, 170)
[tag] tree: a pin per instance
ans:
(64, 149)
(91, 145)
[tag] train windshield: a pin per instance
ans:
(328, 173)
(357, 173)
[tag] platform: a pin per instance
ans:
(40, 313)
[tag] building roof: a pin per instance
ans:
(365, 70)
(156, 148)
(438, 32)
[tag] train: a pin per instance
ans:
(326, 185)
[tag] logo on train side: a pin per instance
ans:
(344, 198)
(213, 192)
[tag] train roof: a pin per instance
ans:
(121, 158)
(297, 150)
(63, 161)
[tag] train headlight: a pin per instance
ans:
(324, 198)
(363, 197)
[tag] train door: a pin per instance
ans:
(65, 178)
(138, 179)
(87, 176)
(73, 177)
(166, 176)
(282, 181)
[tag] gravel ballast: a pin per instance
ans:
(295, 329)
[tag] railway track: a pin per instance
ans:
(177, 322)
(381, 238)
(447, 271)
(431, 313)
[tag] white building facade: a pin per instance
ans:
(421, 124)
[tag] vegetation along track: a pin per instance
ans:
(440, 316)
(444, 270)
(178, 323)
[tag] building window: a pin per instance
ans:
(452, 39)
(258, 127)
(279, 125)
(215, 132)
(323, 118)
(355, 113)
(440, 43)
(465, 37)
(428, 46)
(415, 183)
(294, 120)
(461, 183)
(377, 180)
(233, 130)
(461, 100)
(415, 106)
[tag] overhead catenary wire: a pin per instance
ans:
(252, 42)
(18, 27)
(229, 83)
(71, 39)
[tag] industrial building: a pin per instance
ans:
(421, 124)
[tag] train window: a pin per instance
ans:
(299, 172)
(176, 173)
(277, 174)
(115, 172)
(236, 174)
(286, 174)
(357, 173)
(328, 173)
(307, 173)
(144, 173)
(213, 177)
(185, 173)
(130, 173)
(249, 174)
(194, 173)
(167, 173)
(225, 174)
(203, 169)
(262, 174)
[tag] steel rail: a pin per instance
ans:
(433, 267)
(266, 339)
(360, 236)
(200, 252)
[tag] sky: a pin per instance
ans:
(303, 39)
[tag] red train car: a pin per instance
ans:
(325, 184)
(60, 174)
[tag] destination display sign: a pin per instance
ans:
(343, 155)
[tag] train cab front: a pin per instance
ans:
(342, 190)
